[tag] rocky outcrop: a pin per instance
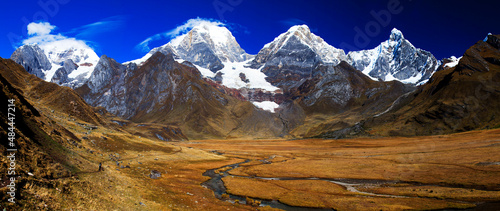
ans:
(33, 59)
(106, 72)
(166, 92)
(207, 45)
(457, 99)
(292, 56)
(61, 74)
(395, 59)
(68, 64)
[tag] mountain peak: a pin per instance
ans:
(396, 35)
(395, 59)
(207, 45)
(205, 32)
(33, 59)
(302, 28)
(300, 37)
(302, 32)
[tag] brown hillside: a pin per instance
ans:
(463, 98)
(166, 92)
(62, 99)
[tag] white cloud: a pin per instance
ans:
(58, 48)
(42, 28)
(53, 44)
(176, 32)
(40, 34)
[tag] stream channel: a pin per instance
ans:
(217, 185)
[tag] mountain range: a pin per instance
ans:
(298, 85)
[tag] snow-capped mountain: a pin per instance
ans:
(214, 51)
(33, 59)
(70, 63)
(166, 91)
(292, 56)
(298, 37)
(395, 59)
(207, 45)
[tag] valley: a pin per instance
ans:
(199, 124)
(417, 173)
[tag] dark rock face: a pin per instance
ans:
(339, 88)
(395, 59)
(105, 72)
(340, 96)
(457, 99)
(243, 78)
(202, 55)
(167, 92)
(33, 59)
(292, 56)
(290, 64)
(61, 74)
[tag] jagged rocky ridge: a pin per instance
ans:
(314, 76)
(65, 65)
(206, 45)
(33, 59)
(461, 98)
(395, 59)
(164, 91)
(293, 55)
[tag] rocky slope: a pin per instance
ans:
(339, 96)
(336, 89)
(462, 98)
(395, 59)
(206, 45)
(43, 154)
(164, 91)
(68, 64)
(293, 55)
(60, 140)
(33, 59)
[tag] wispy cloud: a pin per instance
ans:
(177, 31)
(102, 26)
(292, 22)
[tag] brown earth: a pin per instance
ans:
(62, 154)
(458, 99)
(429, 172)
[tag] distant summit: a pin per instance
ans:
(207, 45)
(395, 59)
(63, 62)
(292, 56)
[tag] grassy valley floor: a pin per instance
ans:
(418, 173)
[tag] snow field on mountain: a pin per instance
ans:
(266, 105)
(231, 76)
(257, 79)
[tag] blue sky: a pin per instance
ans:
(116, 28)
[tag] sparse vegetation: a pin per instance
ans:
(61, 152)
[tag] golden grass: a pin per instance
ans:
(322, 194)
(461, 194)
(441, 162)
(450, 161)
